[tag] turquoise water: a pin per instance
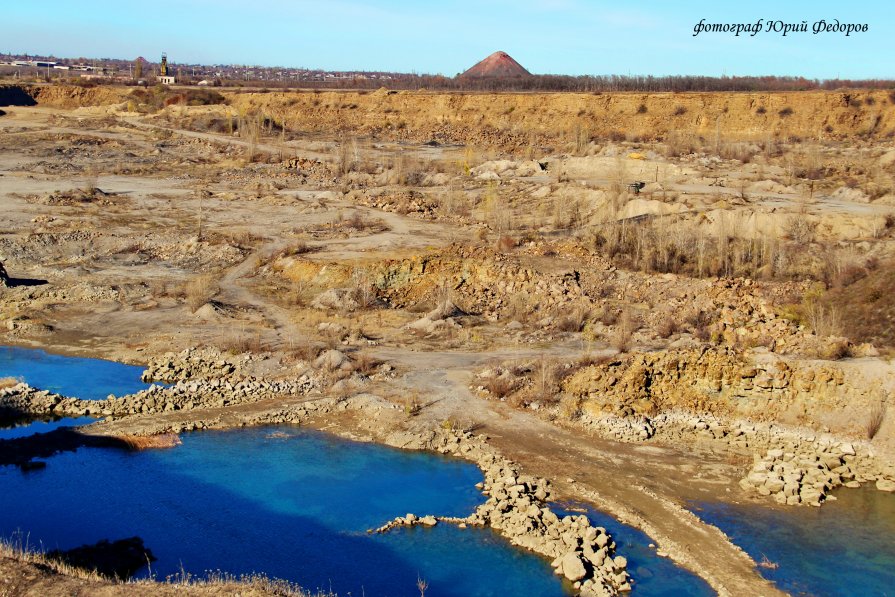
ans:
(292, 503)
(90, 379)
(654, 576)
(846, 547)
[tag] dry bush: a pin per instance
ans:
(303, 350)
(837, 350)
(298, 247)
(200, 290)
(365, 364)
(667, 327)
(500, 386)
(545, 377)
(700, 323)
(574, 320)
(679, 245)
(624, 331)
(362, 290)
(822, 318)
(506, 243)
(346, 155)
(875, 419)
(412, 405)
(678, 143)
(9, 382)
(241, 343)
(607, 315)
(866, 308)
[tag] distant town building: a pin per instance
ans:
(163, 75)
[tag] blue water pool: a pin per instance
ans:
(90, 379)
(846, 547)
(295, 504)
(654, 576)
(32, 427)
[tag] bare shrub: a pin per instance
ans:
(667, 327)
(242, 342)
(574, 320)
(499, 386)
(624, 331)
(303, 350)
(875, 419)
(787, 111)
(607, 315)
(412, 405)
(823, 319)
(365, 364)
(362, 289)
(506, 243)
(798, 229)
(700, 323)
(200, 290)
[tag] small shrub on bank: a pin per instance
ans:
(875, 419)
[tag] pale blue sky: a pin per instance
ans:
(546, 36)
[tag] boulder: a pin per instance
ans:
(572, 567)
(331, 359)
(338, 299)
(885, 485)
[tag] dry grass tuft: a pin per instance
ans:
(200, 290)
(624, 331)
(500, 386)
(875, 419)
(365, 364)
(574, 320)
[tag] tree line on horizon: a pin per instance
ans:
(586, 84)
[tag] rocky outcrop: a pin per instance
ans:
(4, 277)
(716, 380)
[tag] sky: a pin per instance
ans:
(574, 37)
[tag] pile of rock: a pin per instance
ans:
(516, 507)
(624, 429)
(184, 395)
(192, 363)
(582, 553)
(804, 473)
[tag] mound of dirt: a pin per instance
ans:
(498, 64)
